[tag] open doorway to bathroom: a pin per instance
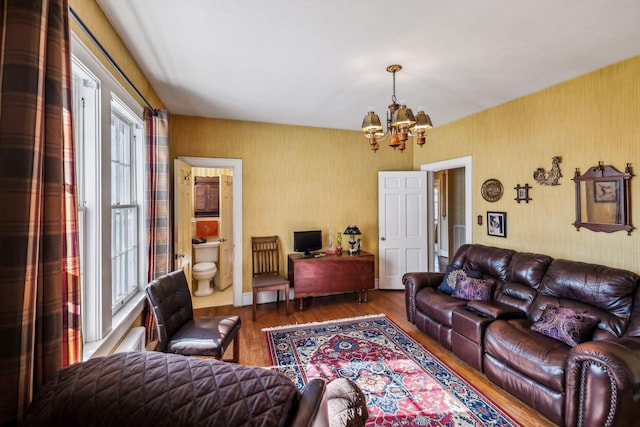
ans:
(221, 224)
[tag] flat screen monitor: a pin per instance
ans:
(306, 242)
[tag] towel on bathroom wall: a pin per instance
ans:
(207, 228)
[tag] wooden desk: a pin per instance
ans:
(331, 274)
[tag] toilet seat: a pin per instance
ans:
(204, 266)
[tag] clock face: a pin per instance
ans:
(492, 190)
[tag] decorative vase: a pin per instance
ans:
(339, 241)
(330, 250)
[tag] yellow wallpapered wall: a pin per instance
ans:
(595, 117)
(294, 178)
(94, 18)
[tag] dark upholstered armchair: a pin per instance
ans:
(179, 331)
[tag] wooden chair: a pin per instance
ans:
(266, 270)
(179, 331)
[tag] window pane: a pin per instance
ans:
(124, 253)
(121, 146)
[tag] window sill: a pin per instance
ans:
(122, 323)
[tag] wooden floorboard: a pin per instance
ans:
(253, 344)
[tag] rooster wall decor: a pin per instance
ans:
(549, 178)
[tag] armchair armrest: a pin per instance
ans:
(496, 309)
(603, 383)
(413, 282)
(312, 409)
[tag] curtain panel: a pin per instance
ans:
(39, 283)
(158, 195)
(158, 202)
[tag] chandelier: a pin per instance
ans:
(401, 123)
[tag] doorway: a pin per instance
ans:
(236, 245)
(466, 231)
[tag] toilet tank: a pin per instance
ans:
(205, 252)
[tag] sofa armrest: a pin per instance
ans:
(312, 409)
(603, 383)
(413, 282)
(496, 309)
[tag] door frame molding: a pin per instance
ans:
(431, 168)
(236, 166)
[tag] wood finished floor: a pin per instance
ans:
(253, 345)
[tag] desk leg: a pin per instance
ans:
(301, 303)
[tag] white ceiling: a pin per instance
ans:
(322, 63)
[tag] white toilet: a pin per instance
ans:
(204, 269)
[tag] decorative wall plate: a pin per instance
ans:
(492, 190)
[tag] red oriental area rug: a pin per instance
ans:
(405, 385)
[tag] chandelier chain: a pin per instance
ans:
(393, 97)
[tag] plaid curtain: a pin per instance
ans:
(157, 192)
(39, 283)
(158, 198)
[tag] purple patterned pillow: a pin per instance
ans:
(473, 289)
(566, 325)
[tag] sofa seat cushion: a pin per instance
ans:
(534, 355)
(437, 305)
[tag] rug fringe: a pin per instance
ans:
(346, 319)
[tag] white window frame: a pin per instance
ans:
(103, 325)
(124, 113)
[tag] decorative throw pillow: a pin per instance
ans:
(347, 403)
(451, 275)
(473, 289)
(565, 324)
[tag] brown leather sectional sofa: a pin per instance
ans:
(582, 369)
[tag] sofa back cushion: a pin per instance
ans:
(524, 275)
(516, 295)
(528, 268)
(491, 262)
(606, 292)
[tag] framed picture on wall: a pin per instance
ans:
(605, 191)
(497, 224)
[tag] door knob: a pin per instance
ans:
(383, 239)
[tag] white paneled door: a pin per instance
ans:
(226, 232)
(183, 209)
(402, 222)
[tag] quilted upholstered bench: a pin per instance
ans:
(160, 389)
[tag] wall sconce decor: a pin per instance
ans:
(353, 231)
(603, 199)
(522, 193)
(400, 122)
(549, 178)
